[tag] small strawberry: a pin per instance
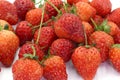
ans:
(85, 11)
(114, 16)
(27, 49)
(69, 26)
(114, 56)
(62, 48)
(9, 44)
(8, 12)
(54, 68)
(27, 69)
(76, 1)
(103, 42)
(103, 7)
(24, 32)
(86, 61)
(34, 16)
(50, 10)
(23, 6)
(47, 36)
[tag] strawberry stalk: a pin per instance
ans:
(96, 27)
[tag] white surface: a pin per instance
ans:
(105, 70)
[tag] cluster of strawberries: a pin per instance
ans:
(49, 36)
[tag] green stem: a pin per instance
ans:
(64, 4)
(43, 11)
(86, 42)
(94, 23)
(34, 51)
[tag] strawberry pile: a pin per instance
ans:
(87, 33)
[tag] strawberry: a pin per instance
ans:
(114, 16)
(8, 12)
(50, 10)
(9, 43)
(86, 61)
(88, 28)
(23, 6)
(69, 26)
(114, 56)
(54, 68)
(103, 42)
(24, 32)
(98, 19)
(62, 48)
(27, 69)
(34, 16)
(85, 11)
(47, 36)
(76, 1)
(103, 7)
(117, 37)
(5, 25)
(27, 49)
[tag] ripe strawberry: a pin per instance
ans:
(103, 7)
(5, 25)
(88, 28)
(98, 19)
(114, 55)
(62, 48)
(50, 10)
(55, 68)
(85, 11)
(23, 6)
(114, 16)
(8, 12)
(27, 49)
(76, 1)
(47, 36)
(27, 69)
(103, 42)
(86, 61)
(117, 38)
(24, 32)
(34, 16)
(9, 43)
(69, 26)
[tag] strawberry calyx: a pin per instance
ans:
(116, 46)
(6, 27)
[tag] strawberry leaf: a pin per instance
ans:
(116, 46)
(33, 1)
(6, 27)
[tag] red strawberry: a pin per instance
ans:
(55, 68)
(27, 49)
(85, 11)
(34, 16)
(114, 16)
(117, 37)
(24, 32)
(47, 36)
(23, 6)
(114, 55)
(103, 7)
(86, 61)
(76, 1)
(103, 42)
(98, 19)
(62, 48)
(8, 12)
(69, 26)
(27, 69)
(50, 10)
(9, 43)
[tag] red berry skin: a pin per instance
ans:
(103, 42)
(114, 16)
(24, 32)
(23, 6)
(117, 38)
(76, 1)
(8, 12)
(86, 61)
(34, 16)
(27, 69)
(98, 19)
(55, 69)
(47, 36)
(62, 48)
(103, 7)
(27, 49)
(50, 10)
(69, 26)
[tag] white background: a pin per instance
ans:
(105, 70)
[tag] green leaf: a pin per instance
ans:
(53, 18)
(40, 5)
(6, 27)
(73, 10)
(116, 46)
(106, 29)
(33, 1)
(1, 28)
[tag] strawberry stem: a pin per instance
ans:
(34, 51)
(96, 27)
(43, 11)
